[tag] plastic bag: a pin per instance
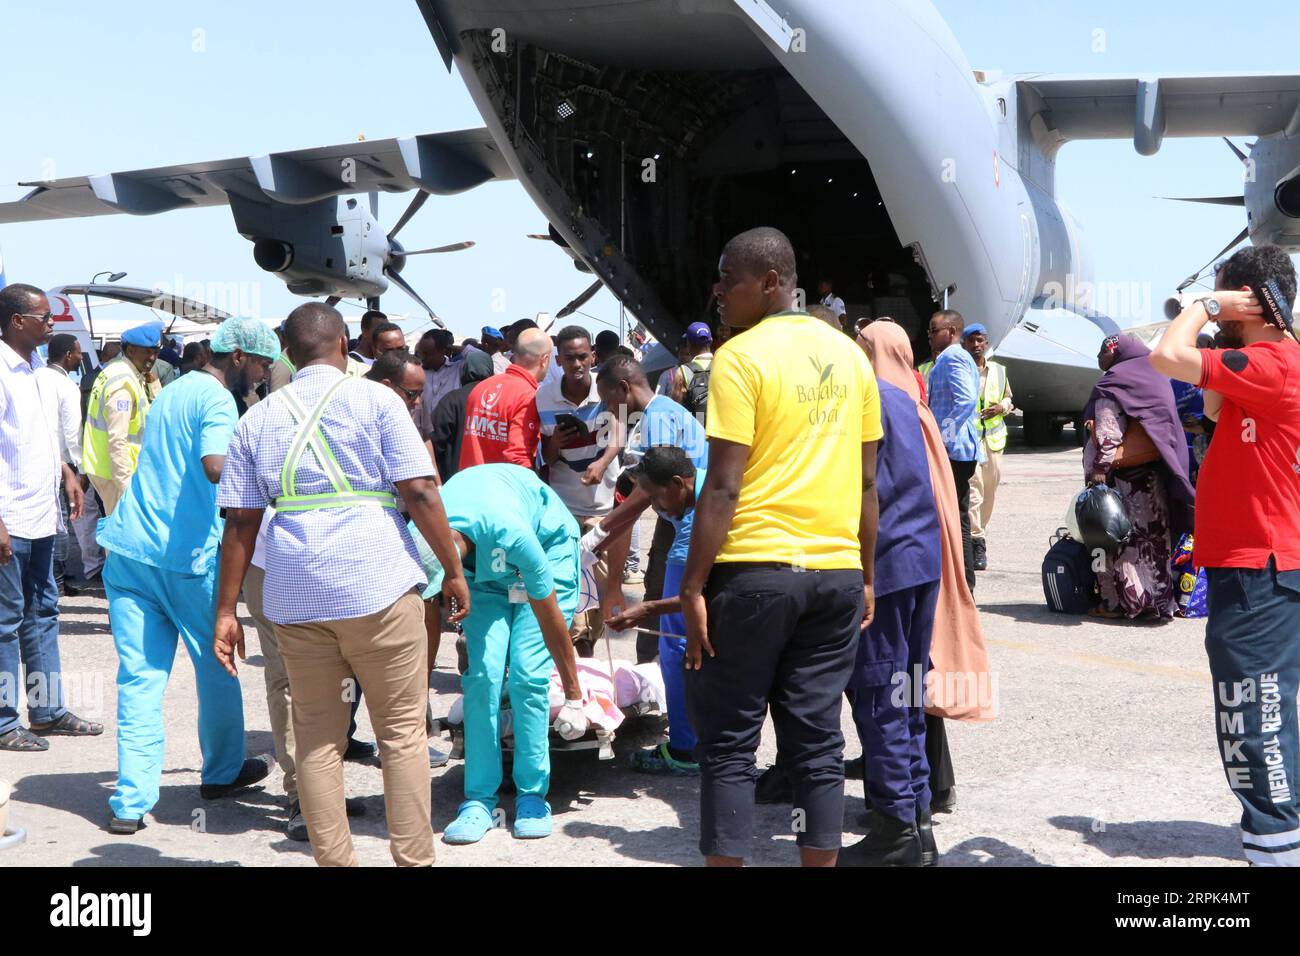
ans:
(1103, 522)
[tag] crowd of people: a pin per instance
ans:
(821, 508)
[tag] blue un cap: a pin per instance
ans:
(147, 336)
(975, 328)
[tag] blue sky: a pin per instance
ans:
(114, 87)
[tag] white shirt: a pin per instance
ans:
(834, 303)
(62, 401)
(567, 470)
(436, 384)
(29, 457)
(500, 362)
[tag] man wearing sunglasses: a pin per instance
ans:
(115, 414)
(30, 517)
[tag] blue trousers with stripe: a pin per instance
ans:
(1252, 638)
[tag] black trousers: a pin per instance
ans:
(787, 640)
(962, 473)
(937, 755)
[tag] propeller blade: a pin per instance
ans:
(1192, 278)
(420, 199)
(1212, 200)
(580, 301)
(1240, 155)
(405, 286)
(334, 300)
(538, 235)
(454, 247)
(374, 203)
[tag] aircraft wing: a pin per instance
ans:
(439, 163)
(1148, 108)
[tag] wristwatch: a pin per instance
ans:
(1211, 305)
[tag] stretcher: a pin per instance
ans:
(638, 691)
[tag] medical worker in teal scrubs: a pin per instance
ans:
(520, 549)
(160, 576)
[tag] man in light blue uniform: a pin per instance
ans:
(519, 546)
(673, 483)
(160, 576)
(654, 421)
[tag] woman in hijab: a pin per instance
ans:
(958, 659)
(1137, 447)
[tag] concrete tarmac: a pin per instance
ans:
(1103, 753)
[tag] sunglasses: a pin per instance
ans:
(411, 393)
(46, 318)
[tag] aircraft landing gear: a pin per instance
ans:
(1041, 428)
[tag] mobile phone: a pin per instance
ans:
(571, 421)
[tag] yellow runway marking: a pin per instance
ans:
(1101, 660)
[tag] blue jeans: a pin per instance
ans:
(29, 634)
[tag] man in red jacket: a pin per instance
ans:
(501, 423)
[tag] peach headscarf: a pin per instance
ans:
(958, 685)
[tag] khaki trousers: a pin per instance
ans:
(387, 653)
(110, 492)
(983, 489)
(589, 624)
(277, 680)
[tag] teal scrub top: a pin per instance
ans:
(513, 518)
(168, 517)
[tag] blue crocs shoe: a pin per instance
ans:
(473, 821)
(532, 818)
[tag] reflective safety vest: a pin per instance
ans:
(995, 390)
(310, 436)
(925, 368)
(119, 374)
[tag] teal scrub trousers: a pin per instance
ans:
(147, 608)
(497, 632)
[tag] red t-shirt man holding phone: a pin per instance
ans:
(1248, 533)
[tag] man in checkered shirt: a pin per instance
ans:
(343, 578)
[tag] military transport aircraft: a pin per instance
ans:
(649, 131)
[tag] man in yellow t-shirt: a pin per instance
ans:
(778, 581)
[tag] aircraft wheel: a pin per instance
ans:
(1038, 428)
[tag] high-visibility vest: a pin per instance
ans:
(309, 435)
(925, 368)
(995, 389)
(117, 374)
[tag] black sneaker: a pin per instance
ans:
(981, 554)
(360, 750)
(296, 828)
(254, 770)
(774, 786)
(889, 842)
(929, 849)
(125, 827)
